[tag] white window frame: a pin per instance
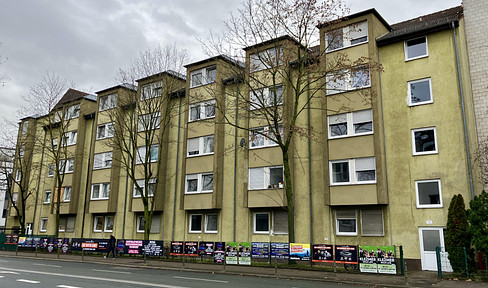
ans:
(350, 122)
(143, 121)
(409, 95)
(66, 188)
(190, 230)
(54, 144)
(46, 193)
(25, 126)
(206, 223)
(143, 187)
(69, 138)
(95, 223)
(108, 102)
(108, 130)
(254, 223)
(352, 172)
(102, 187)
(203, 112)
(66, 165)
(267, 140)
(43, 227)
(363, 211)
(338, 233)
(138, 223)
(141, 154)
(267, 178)
(21, 151)
(415, 153)
(261, 60)
(152, 90)
(199, 178)
(18, 175)
(417, 196)
(205, 78)
(105, 159)
(267, 96)
(201, 146)
(105, 222)
(346, 39)
(72, 112)
(346, 78)
(50, 170)
(405, 47)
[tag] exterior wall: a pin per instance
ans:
(6, 168)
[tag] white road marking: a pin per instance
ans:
(28, 281)
(1, 276)
(96, 278)
(47, 265)
(66, 286)
(112, 271)
(201, 279)
(4, 261)
(9, 272)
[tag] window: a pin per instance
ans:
(109, 224)
(43, 225)
(102, 160)
(100, 191)
(428, 193)
(140, 224)
(66, 193)
(141, 154)
(424, 141)
(25, 125)
(211, 223)
(47, 197)
(21, 151)
(266, 178)
(203, 76)
(18, 175)
(203, 110)
(69, 138)
(261, 222)
(346, 80)
(155, 224)
(152, 90)
(266, 97)
(264, 137)
(346, 222)
(280, 222)
(269, 58)
(353, 171)
(105, 131)
(372, 222)
(347, 36)
(108, 102)
(199, 183)
(50, 170)
(72, 112)
(150, 191)
(201, 146)
(69, 168)
(66, 223)
(416, 48)
(195, 223)
(351, 124)
(149, 121)
(55, 144)
(98, 224)
(419, 92)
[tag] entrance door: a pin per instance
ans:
(430, 238)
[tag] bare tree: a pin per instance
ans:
(142, 119)
(286, 73)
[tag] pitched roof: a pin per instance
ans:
(422, 25)
(167, 72)
(123, 85)
(73, 95)
(355, 15)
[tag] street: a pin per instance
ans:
(17, 272)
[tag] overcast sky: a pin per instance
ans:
(88, 40)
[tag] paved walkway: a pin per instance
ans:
(413, 278)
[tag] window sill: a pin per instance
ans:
(198, 155)
(104, 138)
(429, 206)
(194, 232)
(273, 188)
(98, 199)
(350, 136)
(347, 234)
(261, 233)
(415, 58)
(211, 232)
(348, 90)
(101, 168)
(372, 235)
(425, 153)
(345, 47)
(200, 85)
(350, 183)
(420, 103)
(264, 146)
(202, 192)
(202, 119)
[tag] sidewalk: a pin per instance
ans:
(413, 279)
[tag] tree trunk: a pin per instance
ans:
(289, 198)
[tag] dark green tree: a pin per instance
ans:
(457, 235)
(478, 220)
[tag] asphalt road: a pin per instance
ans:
(34, 273)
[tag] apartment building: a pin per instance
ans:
(374, 156)
(6, 171)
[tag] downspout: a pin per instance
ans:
(38, 183)
(126, 193)
(176, 173)
(87, 188)
(468, 157)
(386, 157)
(235, 164)
(309, 160)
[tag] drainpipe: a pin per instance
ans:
(309, 161)
(386, 158)
(87, 188)
(176, 173)
(468, 157)
(38, 183)
(235, 163)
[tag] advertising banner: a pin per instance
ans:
(386, 259)
(191, 248)
(176, 248)
(87, 245)
(133, 247)
(347, 254)
(206, 249)
(219, 252)
(244, 253)
(231, 253)
(11, 239)
(260, 250)
(300, 251)
(280, 251)
(367, 259)
(322, 253)
(29, 241)
(153, 248)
